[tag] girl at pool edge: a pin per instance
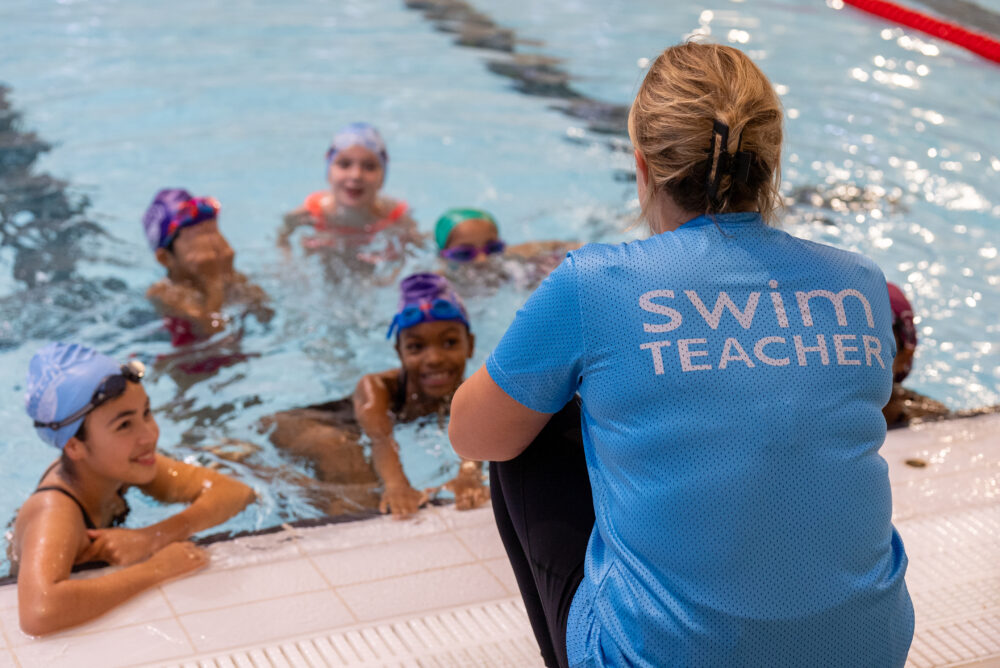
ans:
(97, 413)
(351, 213)
(433, 341)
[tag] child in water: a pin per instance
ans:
(906, 405)
(351, 213)
(471, 237)
(183, 232)
(97, 414)
(433, 342)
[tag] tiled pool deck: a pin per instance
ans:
(437, 590)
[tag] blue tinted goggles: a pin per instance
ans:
(425, 311)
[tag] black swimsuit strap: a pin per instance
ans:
(400, 398)
(86, 518)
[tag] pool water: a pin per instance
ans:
(889, 152)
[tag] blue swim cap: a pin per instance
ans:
(358, 134)
(62, 378)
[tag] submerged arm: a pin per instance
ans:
(291, 222)
(534, 249)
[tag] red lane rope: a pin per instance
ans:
(980, 44)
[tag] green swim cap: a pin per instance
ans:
(453, 217)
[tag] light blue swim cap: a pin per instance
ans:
(62, 378)
(358, 134)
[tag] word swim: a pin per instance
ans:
(774, 350)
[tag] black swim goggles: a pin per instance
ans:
(110, 388)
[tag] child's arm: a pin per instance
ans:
(409, 233)
(48, 601)
(252, 295)
(291, 222)
(212, 497)
(533, 249)
(372, 400)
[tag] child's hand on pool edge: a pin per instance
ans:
(467, 486)
(120, 547)
(179, 559)
(402, 500)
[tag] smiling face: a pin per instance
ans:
(121, 437)
(355, 175)
(433, 355)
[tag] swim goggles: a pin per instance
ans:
(110, 388)
(195, 210)
(468, 252)
(425, 311)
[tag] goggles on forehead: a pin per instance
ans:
(110, 388)
(425, 311)
(195, 210)
(468, 252)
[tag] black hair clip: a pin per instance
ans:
(737, 165)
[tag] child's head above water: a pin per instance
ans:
(183, 232)
(356, 164)
(433, 335)
(69, 383)
(905, 332)
(172, 210)
(467, 235)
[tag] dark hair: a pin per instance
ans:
(66, 464)
(81, 433)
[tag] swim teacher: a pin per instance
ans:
(731, 379)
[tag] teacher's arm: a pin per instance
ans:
(487, 424)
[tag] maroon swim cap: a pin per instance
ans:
(902, 322)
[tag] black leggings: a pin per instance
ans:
(545, 514)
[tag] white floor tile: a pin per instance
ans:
(422, 592)
(483, 540)
(149, 642)
(7, 659)
(214, 589)
(250, 550)
(377, 562)
(254, 623)
(379, 530)
(504, 573)
(8, 596)
(458, 519)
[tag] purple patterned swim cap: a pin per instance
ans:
(173, 209)
(426, 298)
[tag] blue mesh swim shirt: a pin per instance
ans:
(732, 379)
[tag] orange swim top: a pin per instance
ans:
(329, 234)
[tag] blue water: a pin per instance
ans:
(239, 100)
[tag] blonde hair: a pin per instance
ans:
(671, 123)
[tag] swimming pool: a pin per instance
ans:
(238, 100)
